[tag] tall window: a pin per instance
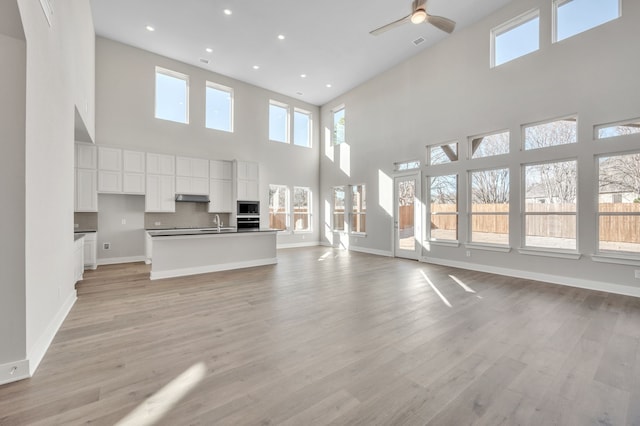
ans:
(279, 207)
(338, 208)
(172, 96)
(619, 203)
(301, 128)
(622, 128)
(278, 122)
(550, 205)
(219, 107)
(490, 145)
(339, 126)
(490, 206)
(358, 209)
(515, 38)
(443, 199)
(572, 17)
(301, 209)
(558, 132)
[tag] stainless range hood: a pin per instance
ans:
(192, 198)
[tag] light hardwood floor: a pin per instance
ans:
(332, 337)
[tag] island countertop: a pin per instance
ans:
(204, 231)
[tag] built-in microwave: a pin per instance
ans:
(249, 208)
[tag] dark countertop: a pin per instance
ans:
(83, 231)
(203, 231)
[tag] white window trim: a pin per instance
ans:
(175, 74)
(455, 242)
(610, 256)
(484, 135)
(398, 164)
(333, 124)
(597, 127)
(349, 206)
(546, 251)
(309, 127)
(524, 127)
(288, 209)
(310, 204)
(287, 135)
(428, 162)
(554, 20)
(508, 26)
(478, 245)
(333, 210)
(229, 90)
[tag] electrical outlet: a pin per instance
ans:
(106, 246)
(75, 225)
(468, 253)
(157, 223)
(124, 221)
(637, 274)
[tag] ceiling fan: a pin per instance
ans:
(419, 15)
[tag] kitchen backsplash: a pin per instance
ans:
(85, 221)
(186, 215)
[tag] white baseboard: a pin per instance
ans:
(14, 371)
(371, 251)
(172, 273)
(296, 245)
(39, 349)
(537, 276)
(116, 260)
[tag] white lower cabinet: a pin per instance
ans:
(160, 194)
(91, 250)
(78, 259)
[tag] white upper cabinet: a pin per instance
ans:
(247, 170)
(192, 176)
(109, 170)
(248, 186)
(219, 169)
(161, 164)
(86, 156)
(133, 172)
(221, 186)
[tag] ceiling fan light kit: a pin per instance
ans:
(419, 15)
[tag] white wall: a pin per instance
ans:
(12, 181)
(125, 90)
(53, 85)
(449, 92)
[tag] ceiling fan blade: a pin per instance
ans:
(446, 25)
(390, 26)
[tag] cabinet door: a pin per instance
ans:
(133, 161)
(200, 168)
(109, 159)
(90, 250)
(86, 191)
(183, 166)
(167, 194)
(183, 185)
(110, 181)
(253, 194)
(160, 164)
(152, 195)
(219, 169)
(252, 171)
(133, 183)
(199, 186)
(221, 195)
(86, 156)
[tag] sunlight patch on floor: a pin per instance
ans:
(461, 284)
(444, 299)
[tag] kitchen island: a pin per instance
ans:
(180, 252)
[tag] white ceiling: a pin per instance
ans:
(328, 40)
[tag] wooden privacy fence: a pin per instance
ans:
(300, 220)
(612, 228)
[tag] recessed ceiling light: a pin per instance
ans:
(303, 76)
(150, 28)
(280, 37)
(328, 85)
(209, 50)
(299, 93)
(256, 67)
(228, 12)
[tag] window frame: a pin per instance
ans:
(221, 88)
(507, 26)
(555, 4)
(613, 254)
(287, 207)
(471, 213)
(525, 214)
(431, 213)
(598, 127)
(309, 213)
(471, 152)
(356, 210)
(333, 208)
(177, 75)
(430, 148)
(524, 128)
(334, 131)
(309, 115)
(287, 125)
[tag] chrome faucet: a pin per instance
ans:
(218, 222)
